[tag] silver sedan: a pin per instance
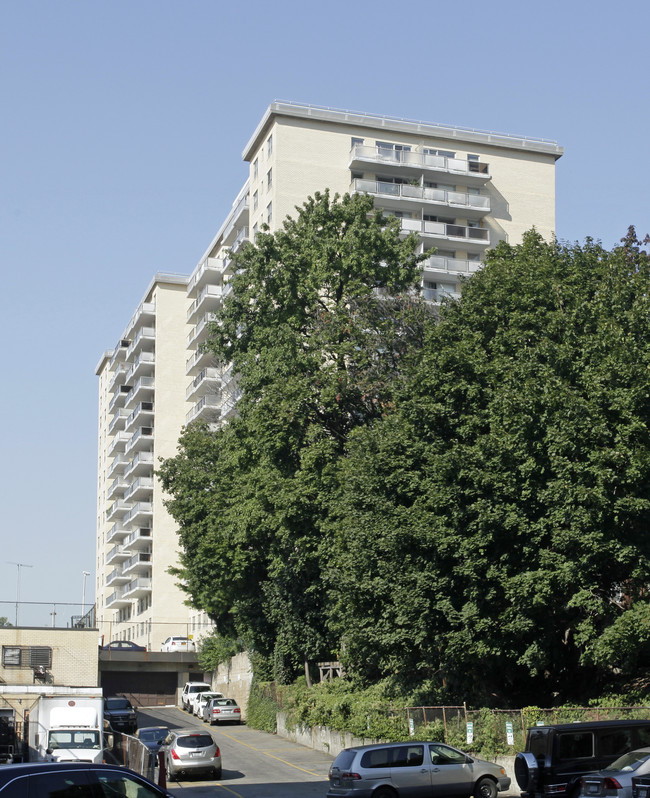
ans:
(221, 710)
(615, 781)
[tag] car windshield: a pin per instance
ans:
(195, 741)
(117, 703)
(152, 735)
(630, 761)
(70, 738)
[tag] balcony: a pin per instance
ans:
(144, 316)
(119, 353)
(139, 540)
(118, 421)
(197, 361)
(143, 390)
(208, 272)
(142, 367)
(118, 444)
(118, 377)
(138, 587)
(141, 465)
(144, 340)
(208, 300)
(206, 409)
(117, 577)
(117, 488)
(140, 489)
(413, 163)
(200, 332)
(439, 264)
(118, 465)
(138, 564)
(229, 404)
(118, 509)
(438, 294)
(242, 236)
(119, 398)
(206, 381)
(237, 217)
(116, 533)
(140, 514)
(117, 598)
(116, 555)
(142, 441)
(473, 239)
(397, 195)
(143, 413)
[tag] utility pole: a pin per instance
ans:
(83, 595)
(19, 565)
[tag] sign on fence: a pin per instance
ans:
(470, 732)
(510, 735)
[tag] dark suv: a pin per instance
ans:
(556, 757)
(121, 716)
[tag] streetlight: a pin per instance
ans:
(19, 566)
(83, 594)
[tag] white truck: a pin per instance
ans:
(67, 728)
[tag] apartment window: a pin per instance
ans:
(255, 169)
(269, 179)
(354, 141)
(269, 212)
(392, 152)
(255, 200)
(442, 153)
(357, 175)
(269, 147)
(26, 656)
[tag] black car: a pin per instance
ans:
(81, 779)
(120, 715)
(122, 645)
(556, 757)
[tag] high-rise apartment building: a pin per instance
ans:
(462, 191)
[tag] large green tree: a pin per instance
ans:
(318, 352)
(491, 536)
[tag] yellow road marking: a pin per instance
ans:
(271, 756)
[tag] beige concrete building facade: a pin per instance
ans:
(462, 191)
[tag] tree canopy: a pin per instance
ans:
(455, 503)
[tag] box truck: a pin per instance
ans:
(66, 728)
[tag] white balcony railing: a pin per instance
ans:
(434, 196)
(420, 160)
(479, 235)
(438, 263)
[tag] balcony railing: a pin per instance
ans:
(208, 269)
(138, 587)
(140, 511)
(446, 230)
(140, 539)
(420, 160)
(119, 352)
(242, 236)
(118, 443)
(144, 409)
(144, 335)
(119, 398)
(142, 485)
(437, 294)
(438, 263)
(207, 378)
(142, 390)
(140, 439)
(435, 196)
(144, 361)
(116, 532)
(200, 329)
(211, 294)
(143, 461)
(207, 408)
(118, 421)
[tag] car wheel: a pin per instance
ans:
(485, 788)
(527, 771)
(384, 792)
(216, 773)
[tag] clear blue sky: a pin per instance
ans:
(123, 123)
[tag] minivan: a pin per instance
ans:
(390, 770)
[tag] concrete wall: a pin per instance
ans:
(234, 680)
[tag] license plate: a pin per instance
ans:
(336, 782)
(592, 789)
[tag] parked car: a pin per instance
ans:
(120, 715)
(200, 700)
(190, 690)
(615, 781)
(178, 644)
(190, 751)
(152, 736)
(221, 710)
(123, 645)
(559, 756)
(81, 779)
(391, 770)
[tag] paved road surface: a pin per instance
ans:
(255, 764)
